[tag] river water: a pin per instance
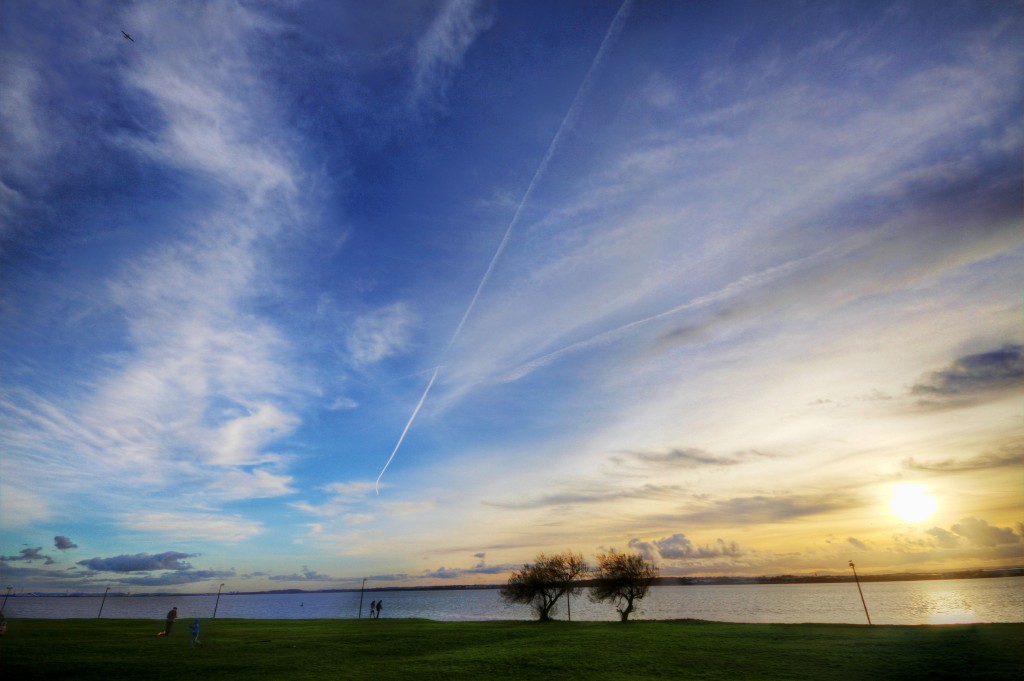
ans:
(922, 602)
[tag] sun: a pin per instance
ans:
(912, 503)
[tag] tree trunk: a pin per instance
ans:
(628, 609)
(544, 610)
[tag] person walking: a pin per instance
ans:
(195, 634)
(378, 608)
(373, 604)
(171, 616)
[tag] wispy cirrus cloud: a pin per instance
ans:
(1007, 457)
(192, 526)
(241, 440)
(380, 334)
(685, 458)
(596, 495)
(767, 509)
(441, 49)
(22, 507)
(24, 141)
(204, 384)
(236, 246)
(343, 496)
(636, 239)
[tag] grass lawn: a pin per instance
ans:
(422, 649)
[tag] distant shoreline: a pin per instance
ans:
(660, 581)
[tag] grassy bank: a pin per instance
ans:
(399, 649)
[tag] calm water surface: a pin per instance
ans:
(926, 602)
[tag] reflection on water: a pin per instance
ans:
(926, 602)
(954, 617)
(942, 605)
(945, 604)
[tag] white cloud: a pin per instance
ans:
(402, 509)
(380, 334)
(350, 491)
(211, 96)
(983, 534)
(23, 138)
(20, 507)
(237, 484)
(343, 496)
(687, 222)
(202, 384)
(340, 403)
(239, 441)
(441, 49)
(191, 527)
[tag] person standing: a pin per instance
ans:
(378, 608)
(171, 616)
(373, 604)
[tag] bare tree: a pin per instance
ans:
(622, 578)
(541, 584)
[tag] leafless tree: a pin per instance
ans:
(622, 578)
(541, 584)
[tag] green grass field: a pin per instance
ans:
(421, 649)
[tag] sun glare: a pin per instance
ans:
(912, 503)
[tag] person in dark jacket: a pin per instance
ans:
(171, 616)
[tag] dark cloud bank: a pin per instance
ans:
(64, 543)
(170, 564)
(973, 378)
(29, 555)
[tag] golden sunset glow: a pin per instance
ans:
(912, 503)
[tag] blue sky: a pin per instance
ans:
(727, 284)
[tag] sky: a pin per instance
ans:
(294, 294)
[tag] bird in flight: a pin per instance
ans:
(127, 37)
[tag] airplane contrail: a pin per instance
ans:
(567, 121)
(570, 117)
(412, 418)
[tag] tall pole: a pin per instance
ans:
(102, 602)
(217, 602)
(5, 597)
(361, 598)
(863, 602)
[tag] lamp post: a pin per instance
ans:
(217, 602)
(5, 597)
(102, 602)
(863, 602)
(361, 598)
